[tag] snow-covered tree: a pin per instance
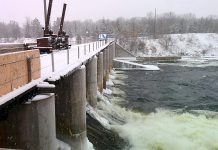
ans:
(36, 28)
(14, 30)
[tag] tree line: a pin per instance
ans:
(150, 26)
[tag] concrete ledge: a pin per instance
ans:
(14, 69)
(158, 58)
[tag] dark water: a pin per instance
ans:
(178, 108)
(173, 87)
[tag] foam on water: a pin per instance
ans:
(164, 129)
(169, 130)
(64, 146)
(117, 91)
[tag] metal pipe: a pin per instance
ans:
(62, 20)
(45, 10)
(46, 31)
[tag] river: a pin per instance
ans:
(175, 108)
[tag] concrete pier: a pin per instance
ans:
(100, 72)
(105, 63)
(37, 124)
(31, 126)
(114, 49)
(91, 81)
(111, 57)
(71, 109)
(108, 62)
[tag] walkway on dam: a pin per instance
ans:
(44, 97)
(57, 64)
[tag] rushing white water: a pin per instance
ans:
(64, 146)
(163, 129)
(166, 129)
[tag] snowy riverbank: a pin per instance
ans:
(191, 44)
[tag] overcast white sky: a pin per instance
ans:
(18, 10)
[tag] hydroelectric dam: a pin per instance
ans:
(43, 96)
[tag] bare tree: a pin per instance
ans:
(166, 42)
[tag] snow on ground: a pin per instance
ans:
(16, 41)
(192, 44)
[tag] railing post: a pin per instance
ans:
(52, 61)
(29, 68)
(89, 48)
(84, 49)
(68, 56)
(78, 52)
(96, 45)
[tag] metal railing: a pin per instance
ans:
(56, 62)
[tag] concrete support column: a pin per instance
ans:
(32, 125)
(100, 72)
(105, 63)
(91, 82)
(37, 124)
(71, 109)
(111, 57)
(114, 49)
(108, 62)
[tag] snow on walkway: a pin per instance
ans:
(61, 66)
